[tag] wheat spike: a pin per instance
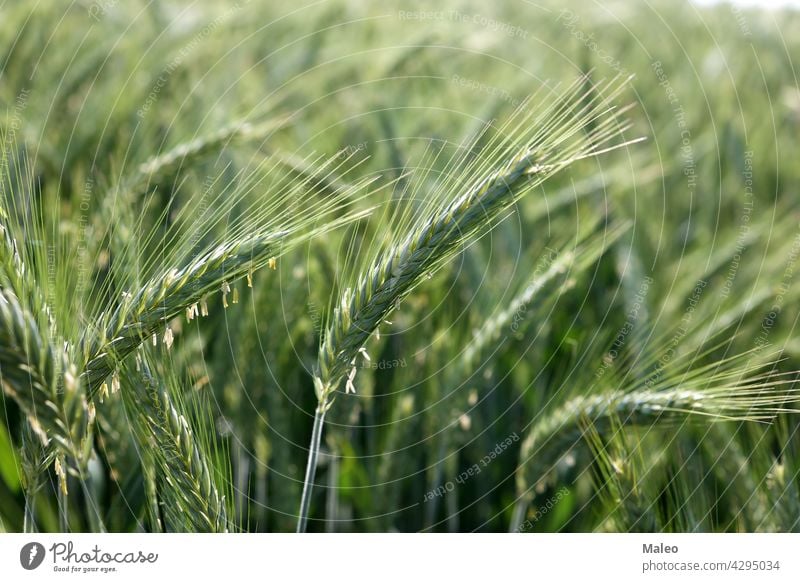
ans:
(556, 142)
(39, 378)
(183, 476)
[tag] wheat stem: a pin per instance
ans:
(311, 468)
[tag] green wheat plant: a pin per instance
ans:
(736, 394)
(328, 267)
(185, 484)
(59, 380)
(39, 377)
(539, 144)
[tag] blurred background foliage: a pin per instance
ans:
(93, 91)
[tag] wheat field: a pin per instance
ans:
(381, 267)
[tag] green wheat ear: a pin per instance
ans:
(734, 389)
(15, 271)
(40, 379)
(147, 312)
(173, 456)
(186, 279)
(466, 203)
(567, 264)
(461, 207)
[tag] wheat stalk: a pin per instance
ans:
(37, 375)
(567, 264)
(167, 164)
(264, 231)
(14, 272)
(40, 379)
(15, 275)
(561, 429)
(46, 387)
(165, 167)
(314, 173)
(622, 487)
